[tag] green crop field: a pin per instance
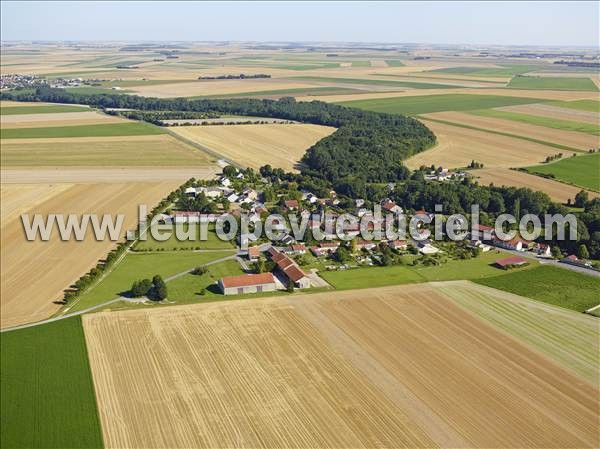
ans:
(548, 122)
(361, 63)
(552, 83)
(553, 285)
(104, 130)
(580, 105)
(394, 63)
(502, 71)
(139, 266)
(482, 266)
(47, 398)
(212, 242)
(42, 109)
(423, 104)
(374, 82)
(582, 170)
(567, 337)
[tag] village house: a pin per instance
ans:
(515, 244)
(225, 182)
(193, 217)
(398, 244)
(574, 260)
(247, 283)
(324, 248)
(211, 192)
(543, 250)
(423, 213)
(253, 253)
(291, 204)
(289, 268)
(294, 249)
(511, 262)
(391, 207)
(365, 244)
(482, 232)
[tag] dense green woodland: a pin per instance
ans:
(359, 159)
(367, 145)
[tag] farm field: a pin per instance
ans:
(582, 171)
(96, 130)
(376, 82)
(551, 285)
(580, 105)
(368, 277)
(548, 122)
(58, 119)
(567, 337)
(35, 273)
(379, 397)
(256, 145)
(47, 398)
(552, 83)
(489, 121)
(424, 104)
(545, 110)
(457, 146)
(38, 109)
(558, 191)
(117, 151)
(137, 266)
(483, 71)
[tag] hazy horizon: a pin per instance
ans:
(568, 24)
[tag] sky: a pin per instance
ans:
(488, 23)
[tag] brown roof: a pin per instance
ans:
(254, 251)
(294, 273)
(299, 247)
(291, 203)
(514, 260)
(284, 262)
(246, 280)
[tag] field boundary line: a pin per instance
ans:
(500, 133)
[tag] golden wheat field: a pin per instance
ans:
(390, 367)
(458, 146)
(35, 273)
(558, 191)
(255, 145)
(573, 139)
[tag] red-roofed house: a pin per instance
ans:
(290, 269)
(253, 253)
(291, 204)
(511, 262)
(398, 244)
(482, 232)
(247, 283)
(515, 244)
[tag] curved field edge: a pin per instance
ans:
(567, 337)
(47, 398)
(581, 171)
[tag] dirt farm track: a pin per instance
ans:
(389, 367)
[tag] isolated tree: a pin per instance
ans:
(581, 198)
(229, 170)
(582, 252)
(140, 288)
(556, 252)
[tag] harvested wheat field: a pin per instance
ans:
(385, 367)
(570, 338)
(281, 146)
(35, 273)
(505, 177)
(458, 146)
(16, 199)
(571, 139)
(547, 110)
(156, 150)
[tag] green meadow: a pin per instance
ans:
(552, 285)
(101, 130)
(172, 243)
(581, 170)
(552, 83)
(47, 398)
(501, 71)
(580, 105)
(394, 63)
(548, 122)
(423, 104)
(137, 266)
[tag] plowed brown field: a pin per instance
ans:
(381, 368)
